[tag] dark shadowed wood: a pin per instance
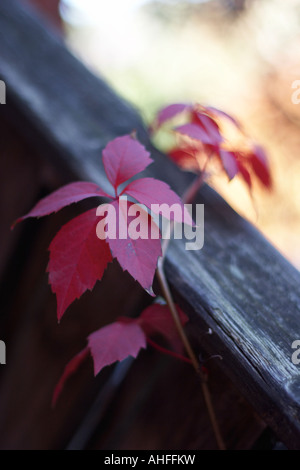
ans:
(243, 289)
(238, 285)
(169, 413)
(14, 160)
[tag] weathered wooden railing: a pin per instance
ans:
(57, 119)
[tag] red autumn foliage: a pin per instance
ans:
(201, 138)
(78, 258)
(123, 338)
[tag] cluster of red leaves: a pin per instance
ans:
(78, 258)
(201, 138)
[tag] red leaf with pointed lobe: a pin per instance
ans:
(186, 157)
(77, 259)
(70, 369)
(138, 257)
(203, 128)
(115, 342)
(123, 158)
(73, 192)
(150, 191)
(123, 338)
(244, 173)
(158, 319)
(209, 125)
(229, 162)
(195, 132)
(259, 164)
(218, 113)
(169, 112)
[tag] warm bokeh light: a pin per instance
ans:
(241, 56)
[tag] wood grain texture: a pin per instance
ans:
(249, 295)
(168, 411)
(238, 284)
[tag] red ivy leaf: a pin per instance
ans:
(195, 132)
(63, 197)
(70, 369)
(218, 113)
(202, 127)
(209, 126)
(229, 162)
(78, 257)
(138, 257)
(169, 112)
(158, 319)
(115, 342)
(186, 157)
(149, 191)
(123, 338)
(259, 164)
(244, 173)
(123, 158)
(77, 260)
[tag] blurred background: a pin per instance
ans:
(241, 56)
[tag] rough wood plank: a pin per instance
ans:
(238, 284)
(15, 195)
(249, 295)
(169, 413)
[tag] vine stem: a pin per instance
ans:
(167, 352)
(188, 197)
(206, 393)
